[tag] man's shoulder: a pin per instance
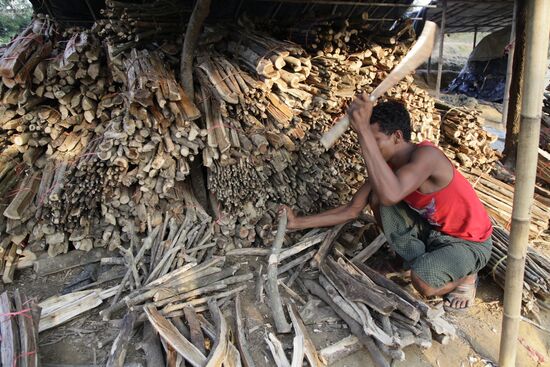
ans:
(427, 152)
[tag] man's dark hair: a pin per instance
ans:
(392, 116)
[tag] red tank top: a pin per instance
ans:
(454, 210)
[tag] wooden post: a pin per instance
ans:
(506, 97)
(429, 70)
(440, 58)
(537, 27)
(475, 37)
(516, 88)
(200, 12)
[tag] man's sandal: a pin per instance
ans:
(463, 292)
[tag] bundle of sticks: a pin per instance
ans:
(342, 35)
(536, 284)
(464, 139)
(19, 318)
(497, 197)
(25, 51)
(126, 24)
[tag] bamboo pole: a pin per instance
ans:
(509, 65)
(538, 23)
(441, 42)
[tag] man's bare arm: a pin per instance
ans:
(391, 187)
(334, 216)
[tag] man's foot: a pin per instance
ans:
(463, 296)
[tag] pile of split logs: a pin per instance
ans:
(173, 289)
(383, 317)
(464, 140)
(19, 318)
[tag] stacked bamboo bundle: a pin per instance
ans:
(274, 61)
(150, 147)
(497, 197)
(19, 317)
(345, 36)
(464, 139)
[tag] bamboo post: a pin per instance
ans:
(440, 58)
(506, 96)
(537, 26)
(475, 37)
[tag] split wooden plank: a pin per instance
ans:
(355, 328)
(370, 250)
(173, 337)
(8, 331)
(242, 342)
(298, 351)
(194, 328)
(272, 288)
(119, 348)
(326, 246)
(301, 330)
(70, 260)
(219, 352)
(277, 351)
(340, 349)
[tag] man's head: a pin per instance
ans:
(391, 127)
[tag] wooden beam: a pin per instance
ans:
(506, 97)
(200, 12)
(440, 58)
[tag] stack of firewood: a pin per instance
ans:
(19, 318)
(464, 139)
(106, 140)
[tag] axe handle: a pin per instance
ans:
(329, 138)
(420, 52)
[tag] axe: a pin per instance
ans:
(419, 53)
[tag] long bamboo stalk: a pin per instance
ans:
(538, 22)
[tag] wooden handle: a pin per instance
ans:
(416, 56)
(330, 137)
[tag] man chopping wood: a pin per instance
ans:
(428, 211)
